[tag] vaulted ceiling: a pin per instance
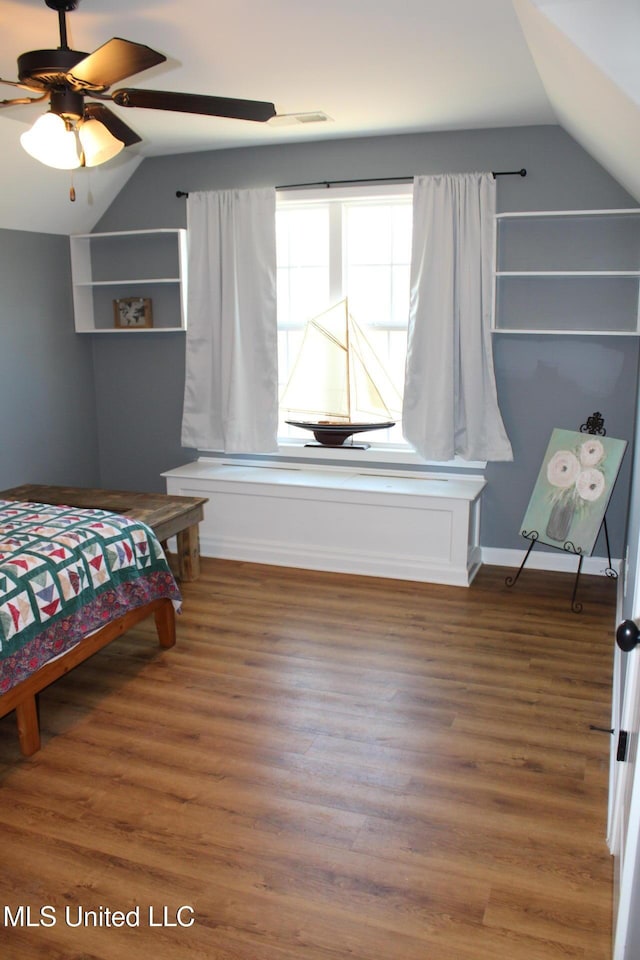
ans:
(373, 68)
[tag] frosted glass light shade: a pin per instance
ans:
(51, 143)
(98, 144)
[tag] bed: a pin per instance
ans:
(71, 581)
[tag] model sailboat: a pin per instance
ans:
(338, 382)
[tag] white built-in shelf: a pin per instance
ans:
(111, 283)
(567, 272)
(151, 264)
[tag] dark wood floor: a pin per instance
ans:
(324, 768)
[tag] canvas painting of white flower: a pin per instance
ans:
(573, 488)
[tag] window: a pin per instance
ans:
(341, 243)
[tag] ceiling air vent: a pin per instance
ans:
(288, 119)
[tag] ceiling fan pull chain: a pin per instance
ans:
(72, 190)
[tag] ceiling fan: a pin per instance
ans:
(79, 132)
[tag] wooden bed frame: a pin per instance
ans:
(22, 697)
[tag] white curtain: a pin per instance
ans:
(450, 401)
(231, 384)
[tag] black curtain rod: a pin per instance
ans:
(339, 183)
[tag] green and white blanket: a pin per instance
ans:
(65, 572)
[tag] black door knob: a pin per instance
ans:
(627, 635)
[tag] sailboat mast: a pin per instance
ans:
(347, 357)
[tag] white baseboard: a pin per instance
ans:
(492, 556)
(548, 560)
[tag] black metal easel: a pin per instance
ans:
(594, 425)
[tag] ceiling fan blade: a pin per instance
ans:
(113, 61)
(257, 110)
(117, 127)
(11, 103)
(22, 86)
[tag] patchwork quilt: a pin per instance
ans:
(65, 572)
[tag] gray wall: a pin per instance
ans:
(47, 400)
(139, 387)
(556, 381)
(543, 381)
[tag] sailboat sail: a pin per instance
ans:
(319, 381)
(337, 375)
(373, 392)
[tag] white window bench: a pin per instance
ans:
(388, 524)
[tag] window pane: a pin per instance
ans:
(373, 250)
(369, 291)
(288, 345)
(400, 289)
(377, 277)
(302, 292)
(369, 235)
(302, 236)
(402, 225)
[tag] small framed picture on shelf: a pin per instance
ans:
(132, 312)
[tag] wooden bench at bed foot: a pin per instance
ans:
(166, 514)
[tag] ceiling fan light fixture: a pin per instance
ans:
(77, 133)
(52, 142)
(98, 143)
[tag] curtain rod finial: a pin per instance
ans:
(509, 173)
